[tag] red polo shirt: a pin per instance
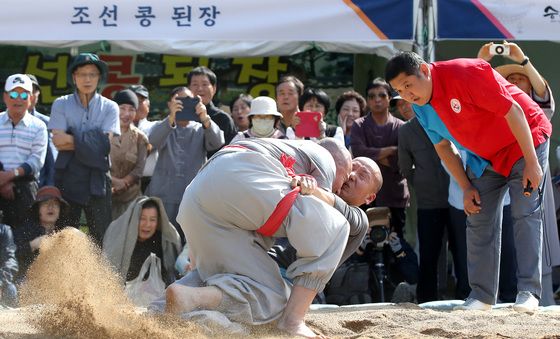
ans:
(472, 100)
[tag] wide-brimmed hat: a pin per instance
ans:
(87, 59)
(49, 192)
(18, 80)
(264, 106)
(509, 69)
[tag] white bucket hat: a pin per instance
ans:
(264, 106)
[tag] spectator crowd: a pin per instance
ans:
(102, 160)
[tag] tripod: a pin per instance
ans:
(378, 271)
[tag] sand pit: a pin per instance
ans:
(71, 292)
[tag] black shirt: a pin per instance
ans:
(141, 252)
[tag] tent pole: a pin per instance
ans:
(425, 31)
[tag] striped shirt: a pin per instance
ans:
(25, 143)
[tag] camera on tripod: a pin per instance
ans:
(379, 223)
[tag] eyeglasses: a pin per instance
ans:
(87, 75)
(14, 95)
(380, 95)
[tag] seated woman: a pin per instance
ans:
(142, 229)
(46, 211)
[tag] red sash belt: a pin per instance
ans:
(284, 205)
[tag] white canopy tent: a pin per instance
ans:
(215, 29)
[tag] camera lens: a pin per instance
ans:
(378, 234)
(499, 50)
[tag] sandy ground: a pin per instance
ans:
(400, 321)
(80, 297)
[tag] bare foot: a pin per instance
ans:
(298, 328)
(180, 299)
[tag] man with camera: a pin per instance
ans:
(524, 75)
(182, 141)
(391, 259)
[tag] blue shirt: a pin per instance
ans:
(24, 143)
(68, 112)
(437, 131)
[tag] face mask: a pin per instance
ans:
(263, 127)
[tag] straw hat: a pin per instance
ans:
(509, 69)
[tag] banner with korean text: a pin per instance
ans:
(177, 26)
(498, 19)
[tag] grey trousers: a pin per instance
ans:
(484, 231)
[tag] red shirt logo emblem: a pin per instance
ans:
(455, 105)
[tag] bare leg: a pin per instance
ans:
(292, 320)
(180, 298)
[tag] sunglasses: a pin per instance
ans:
(14, 95)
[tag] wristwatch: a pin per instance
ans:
(204, 121)
(16, 172)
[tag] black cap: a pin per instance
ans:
(126, 96)
(34, 81)
(140, 90)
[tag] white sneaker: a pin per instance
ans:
(526, 302)
(473, 304)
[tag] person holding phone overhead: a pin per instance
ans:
(182, 144)
(523, 74)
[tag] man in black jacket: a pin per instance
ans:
(203, 83)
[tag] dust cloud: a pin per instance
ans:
(71, 291)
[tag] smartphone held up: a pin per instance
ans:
(309, 125)
(189, 109)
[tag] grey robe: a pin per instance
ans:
(231, 197)
(121, 236)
